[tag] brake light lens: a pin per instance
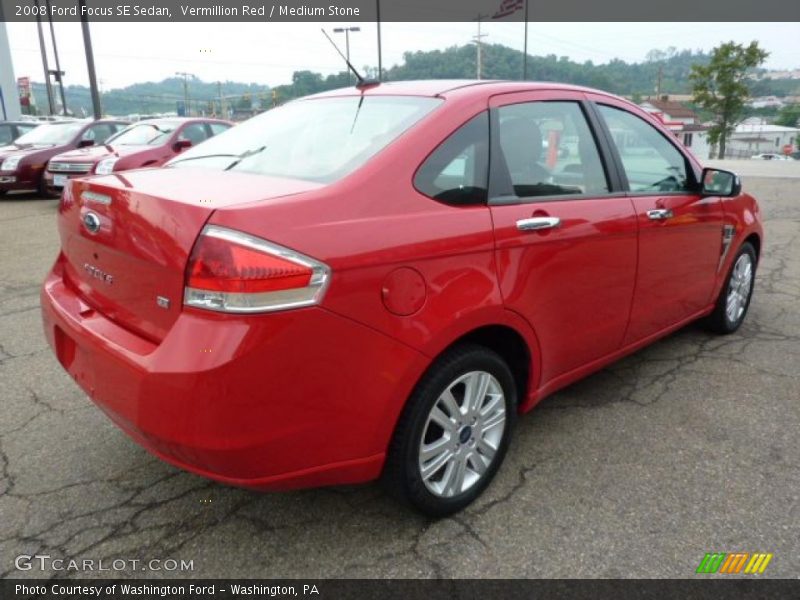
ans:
(231, 271)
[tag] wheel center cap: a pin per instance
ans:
(465, 434)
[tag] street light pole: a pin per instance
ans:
(346, 31)
(87, 45)
(43, 50)
(58, 72)
(380, 60)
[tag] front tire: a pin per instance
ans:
(734, 297)
(454, 432)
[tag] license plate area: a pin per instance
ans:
(59, 180)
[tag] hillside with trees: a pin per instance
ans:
(672, 67)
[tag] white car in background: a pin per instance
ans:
(770, 156)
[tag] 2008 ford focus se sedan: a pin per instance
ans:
(374, 282)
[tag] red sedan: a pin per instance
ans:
(22, 163)
(375, 282)
(148, 143)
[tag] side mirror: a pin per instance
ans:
(181, 145)
(85, 143)
(717, 182)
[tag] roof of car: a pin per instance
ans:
(440, 87)
(23, 123)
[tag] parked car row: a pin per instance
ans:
(43, 156)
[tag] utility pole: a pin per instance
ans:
(658, 83)
(478, 43)
(87, 46)
(223, 114)
(43, 50)
(59, 74)
(185, 91)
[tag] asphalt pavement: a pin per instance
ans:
(687, 447)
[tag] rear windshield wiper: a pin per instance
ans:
(238, 157)
(175, 162)
(244, 155)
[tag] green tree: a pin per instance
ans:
(721, 87)
(789, 116)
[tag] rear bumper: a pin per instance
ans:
(294, 399)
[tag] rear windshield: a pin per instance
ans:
(318, 140)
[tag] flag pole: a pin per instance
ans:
(525, 51)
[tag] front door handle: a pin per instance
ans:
(659, 214)
(538, 223)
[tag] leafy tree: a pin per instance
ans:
(721, 86)
(789, 116)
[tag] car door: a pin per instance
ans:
(565, 232)
(680, 231)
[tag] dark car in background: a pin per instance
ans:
(23, 162)
(11, 130)
(148, 143)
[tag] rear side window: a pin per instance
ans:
(548, 150)
(651, 162)
(457, 172)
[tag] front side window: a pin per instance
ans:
(548, 150)
(651, 162)
(457, 172)
(195, 133)
(99, 133)
(319, 140)
(144, 134)
(6, 134)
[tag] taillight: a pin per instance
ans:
(231, 271)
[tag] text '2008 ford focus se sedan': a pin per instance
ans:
(374, 282)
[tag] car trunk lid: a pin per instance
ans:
(126, 238)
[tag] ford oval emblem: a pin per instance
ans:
(92, 222)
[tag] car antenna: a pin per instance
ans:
(362, 83)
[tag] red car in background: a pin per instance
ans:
(22, 163)
(374, 282)
(148, 143)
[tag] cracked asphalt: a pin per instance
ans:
(689, 446)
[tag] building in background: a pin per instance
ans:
(758, 138)
(683, 122)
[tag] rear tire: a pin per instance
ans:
(454, 432)
(735, 295)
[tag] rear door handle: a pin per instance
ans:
(659, 214)
(537, 223)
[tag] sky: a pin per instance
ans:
(268, 53)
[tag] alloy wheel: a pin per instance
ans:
(739, 286)
(462, 434)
